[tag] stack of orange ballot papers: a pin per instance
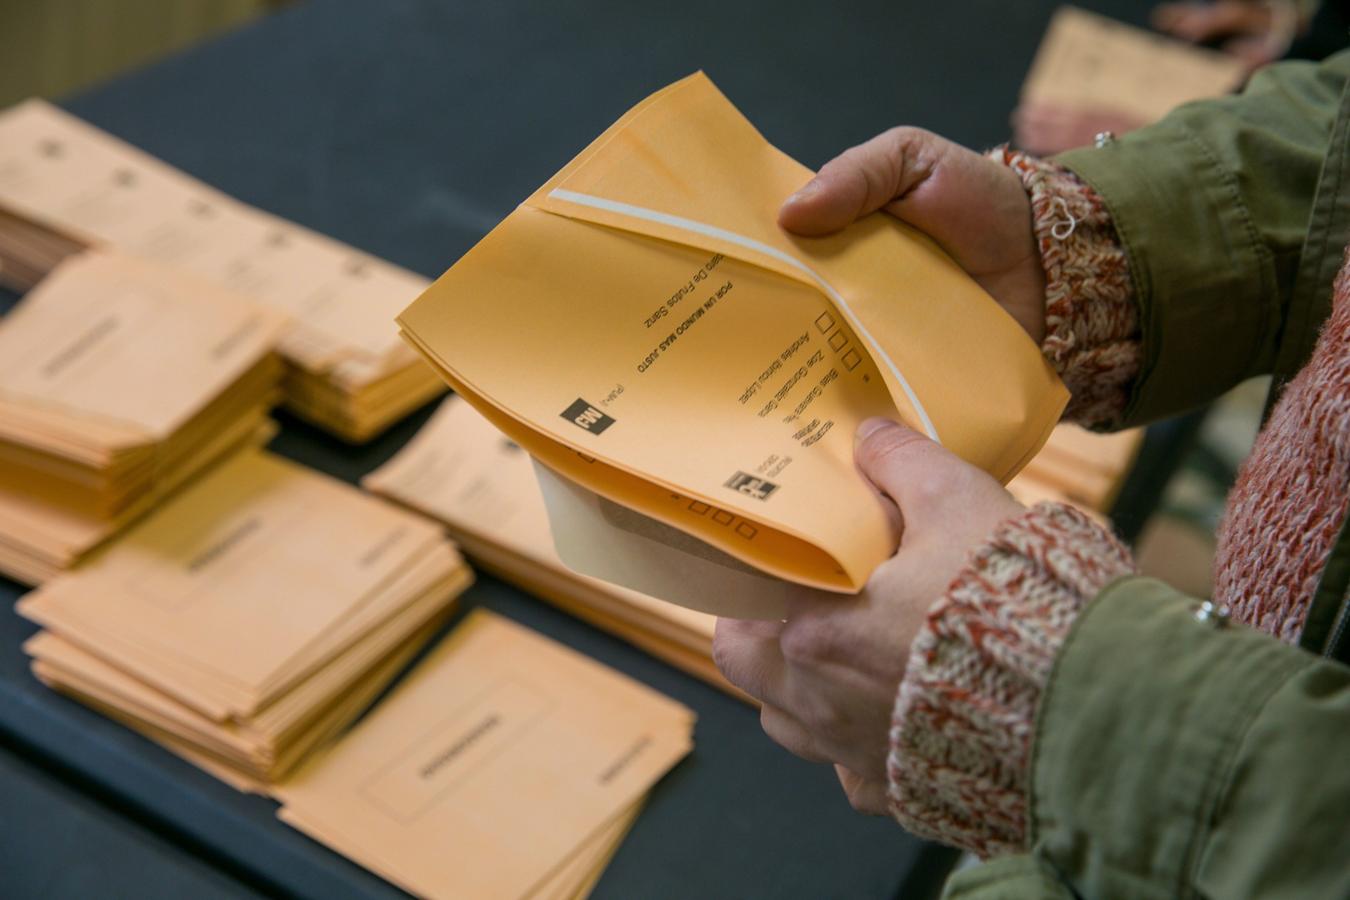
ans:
(1094, 64)
(64, 185)
(464, 473)
(119, 380)
(646, 331)
(251, 617)
(504, 766)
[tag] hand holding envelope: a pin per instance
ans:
(643, 327)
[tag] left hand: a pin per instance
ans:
(827, 677)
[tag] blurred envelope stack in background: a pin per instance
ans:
(504, 766)
(1090, 62)
(65, 184)
(463, 472)
(119, 380)
(1080, 467)
(670, 349)
(250, 617)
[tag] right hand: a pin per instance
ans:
(975, 208)
(1256, 33)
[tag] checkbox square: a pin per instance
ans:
(722, 517)
(747, 531)
(851, 360)
(838, 340)
(698, 507)
(824, 322)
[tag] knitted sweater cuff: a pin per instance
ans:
(1092, 335)
(960, 743)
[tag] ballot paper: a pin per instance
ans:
(250, 754)
(621, 546)
(1087, 61)
(120, 380)
(491, 768)
(643, 327)
(65, 184)
(250, 618)
(243, 585)
(463, 472)
(1080, 467)
(38, 540)
(112, 371)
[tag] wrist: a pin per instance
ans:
(1092, 335)
(960, 744)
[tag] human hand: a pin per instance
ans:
(976, 209)
(1256, 33)
(827, 677)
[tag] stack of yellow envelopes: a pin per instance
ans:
(1088, 64)
(1079, 467)
(251, 616)
(119, 380)
(68, 185)
(463, 472)
(505, 766)
(29, 251)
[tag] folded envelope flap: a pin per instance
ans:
(686, 167)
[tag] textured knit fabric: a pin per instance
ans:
(961, 733)
(1091, 321)
(961, 730)
(1286, 509)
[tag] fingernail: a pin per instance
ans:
(806, 191)
(870, 427)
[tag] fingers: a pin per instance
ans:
(791, 735)
(939, 494)
(862, 180)
(904, 465)
(810, 705)
(748, 654)
(941, 188)
(1200, 22)
(865, 795)
(1254, 52)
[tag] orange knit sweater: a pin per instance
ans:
(961, 732)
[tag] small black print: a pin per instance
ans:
(751, 485)
(584, 415)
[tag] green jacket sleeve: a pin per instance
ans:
(1174, 758)
(1212, 205)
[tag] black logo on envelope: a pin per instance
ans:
(584, 415)
(751, 485)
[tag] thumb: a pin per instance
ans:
(939, 187)
(913, 471)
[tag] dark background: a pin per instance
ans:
(408, 129)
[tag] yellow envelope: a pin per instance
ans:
(242, 585)
(65, 184)
(643, 327)
(495, 762)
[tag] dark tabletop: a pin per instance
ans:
(408, 128)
